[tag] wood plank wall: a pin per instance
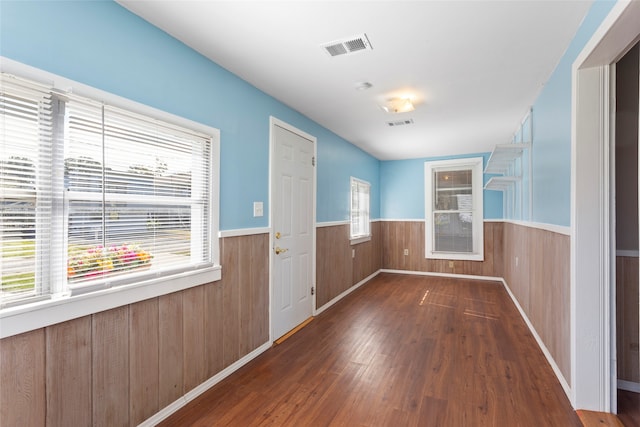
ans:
(336, 269)
(400, 235)
(540, 281)
(105, 369)
(627, 318)
(121, 366)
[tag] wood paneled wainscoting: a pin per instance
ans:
(534, 262)
(627, 319)
(400, 235)
(122, 366)
(337, 268)
(404, 350)
(537, 271)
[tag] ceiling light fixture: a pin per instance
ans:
(398, 105)
(363, 85)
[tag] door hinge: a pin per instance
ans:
(313, 290)
(313, 161)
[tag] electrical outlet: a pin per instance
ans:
(406, 251)
(353, 253)
(450, 264)
(516, 261)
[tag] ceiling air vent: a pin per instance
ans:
(400, 122)
(348, 45)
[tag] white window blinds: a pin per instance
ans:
(137, 194)
(454, 209)
(360, 219)
(94, 196)
(26, 197)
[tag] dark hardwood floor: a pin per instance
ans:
(400, 351)
(629, 408)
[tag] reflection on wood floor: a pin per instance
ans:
(400, 351)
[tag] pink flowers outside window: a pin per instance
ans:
(97, 261)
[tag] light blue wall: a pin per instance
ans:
(103, 45)
(552, 130)
(402, 189)
(340, 162)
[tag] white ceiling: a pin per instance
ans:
(473, 67)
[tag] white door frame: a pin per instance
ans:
(593, 364)
(273, 121)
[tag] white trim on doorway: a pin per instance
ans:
(592, 306)
(273, 121)
(590, 237)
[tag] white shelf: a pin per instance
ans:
(502, 157)
(501, 183)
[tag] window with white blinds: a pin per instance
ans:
(26, 196)
(454, 209)
(94, 196)
(360, 217)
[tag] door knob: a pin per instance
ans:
(280, 250)
(277, 234)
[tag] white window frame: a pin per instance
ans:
(359, 235)
(63, 306)
(475, 164)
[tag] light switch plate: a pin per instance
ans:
(258, 209)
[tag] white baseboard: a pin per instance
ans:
(181, 402)
(629, 386)
(452, 275)
(417, 273)
(345, 293)
(545, 351)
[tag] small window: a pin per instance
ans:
(454, 211)
(360, 220)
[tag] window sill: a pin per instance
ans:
(358, 240)
(455, 256)
(28, 317)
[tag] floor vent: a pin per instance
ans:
(400, 122)
(348, 45)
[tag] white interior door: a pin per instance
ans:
(293, 255)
